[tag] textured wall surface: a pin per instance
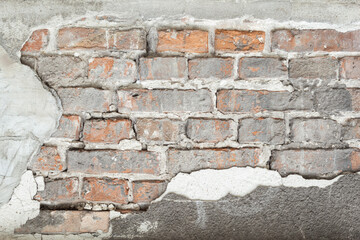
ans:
(135, 125)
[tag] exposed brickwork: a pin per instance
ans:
(37, 41)
(60, 190)
(256, 67)
(211, 68)
(162, 68)
(310, 68)
(236, 41)
(105, 190)
(350, 68)
(47, 160)
(69, 127)
(165, 130)
(78, 37)
(134, 39)
(147, 191)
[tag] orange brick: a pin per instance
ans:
(147, 191)
(37, 42)
(69, 127)
(134, 39)
(61, 190)
(78, 37)
(48, 159)
(239, 41)
(111, 69)
(193, 41)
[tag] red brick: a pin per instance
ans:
(239, 41)
(192, 41)
(209, 130)
(211, 68)
(66, 222)
(47, 160)
(162, 68)
(258, 67)
(60, 190)
(106, 131)
(192, 160)
(308, 40)
(134, 39)
(350, 68)
(166, 130)
(111, 69)
(147, 191)
(105, 190)
(69, 127)
(81, 38)
(113, 161)
(38, 41)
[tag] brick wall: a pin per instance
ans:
(145, 102)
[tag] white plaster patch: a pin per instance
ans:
(210, 184)
(147, 226)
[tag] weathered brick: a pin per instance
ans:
(105, 190)
(60, 190)
(61, 70)
(336, 99)
(266, 130)
(81, 38)
(112, 70)
(193, 41)
(75, 100)
(355, 99)
(107, 130)
(134, 39)
(47, 160)
(192, 160)
(211, 68)
(38, 41)
(66, 222)
(258, 67)
(350, 68)
(315, 130)
(238, 41)
(209, 130)
(310, 68)
(164, 100)
(256, 101)
(352, 129)
(315, 163)
(315, 40)
(162, 68)
(69, 127)
(147, 191)
(113, 161)
(164, 130)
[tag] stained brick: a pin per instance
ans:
(47, 160)
(315, 40)
(315, 130)
(209, 130)
(38, 41)
(256, 101)
(76, 100)
(350, 68)
(106, 131)
(192, 41)
(66, 222)
(310, 68)
(69, 127)
(164, 100)
(147, 191)
(105, 190)
(315, 163)
(192, 160)
(134, 39)
(333, 100)
(265, 130)
(211, 68)
(60, 190)
(352, 129)
(257, 67)
(81, 38)
(113, 161)
(238, 41)
(355, 99)
(162, 68)
(164, 130)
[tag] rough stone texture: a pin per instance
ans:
(105, 190)
(47, 160)
(209, 130)
(78, 37)
(194, 41)
(163, 130)
(69, 127)
(147, 191)
(107, 130)
(164, 100)
(235, 41)
(60, 190)
(337, 99)
(310, 68)
(349, 68)
(134, 39)
(315, 130)
(112, 161)
(257, 67)
(329, 162)
(37, 42)
(192, 160)
(265, 130)
(352, 129)
(162, 68)
(256, 101)
(279, 213)
(211, 68)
